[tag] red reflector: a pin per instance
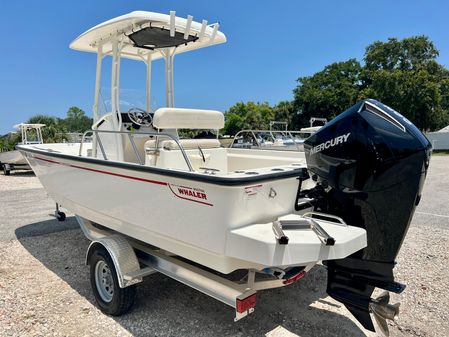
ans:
(245, 304)
(294, 278)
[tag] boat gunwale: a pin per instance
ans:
(210, 179)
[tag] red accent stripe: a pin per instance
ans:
(105, 172)
(124, 176)
(260, 185)
(200, 202)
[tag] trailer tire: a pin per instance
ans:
(111, 299)
(6, 170)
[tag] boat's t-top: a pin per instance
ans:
(145, 36)
(26, 129)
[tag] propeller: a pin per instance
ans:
(382, 311)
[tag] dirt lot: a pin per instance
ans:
(45, 290)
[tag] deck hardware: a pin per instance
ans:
(209, 170)
(202, 154)
(307, 222)
(327, 218)
(60, 216)
(279, 233)
(299, 202)
(322, 234)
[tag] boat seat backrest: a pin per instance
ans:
(179, 118)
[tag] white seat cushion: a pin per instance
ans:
(177, 118)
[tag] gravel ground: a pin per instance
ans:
(45, 289)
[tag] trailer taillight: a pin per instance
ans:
(295, 278)
(245, 304)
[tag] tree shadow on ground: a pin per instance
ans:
(163, 304)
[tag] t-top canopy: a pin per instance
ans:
(28, 126)
(144, 33)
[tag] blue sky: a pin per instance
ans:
(270, 44)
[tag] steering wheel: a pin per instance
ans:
(140, 117)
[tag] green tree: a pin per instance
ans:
(285, 111)
(407, 54)
(327, 92)
(77, 121)
(8, 141)
(54, 130)
(233, 124)
(248, 115)
(405, 75)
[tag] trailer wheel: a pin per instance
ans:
(6, 170)
(111, 299)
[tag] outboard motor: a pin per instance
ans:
(369, 164)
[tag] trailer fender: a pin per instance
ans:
(123, 256)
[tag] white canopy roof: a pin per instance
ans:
(196, 35)
(28, 126)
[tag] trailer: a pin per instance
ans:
(117, 263)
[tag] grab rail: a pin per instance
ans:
(340, 222)
(284, 132)
(133, 144)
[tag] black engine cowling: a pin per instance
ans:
(370, 163)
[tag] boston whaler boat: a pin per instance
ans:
(150, 201)
(13, 160)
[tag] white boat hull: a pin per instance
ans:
(209, 223)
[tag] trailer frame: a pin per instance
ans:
(133, 260)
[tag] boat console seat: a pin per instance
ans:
(201, 152)
(128, 152)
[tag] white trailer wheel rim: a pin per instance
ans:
(104, 281)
